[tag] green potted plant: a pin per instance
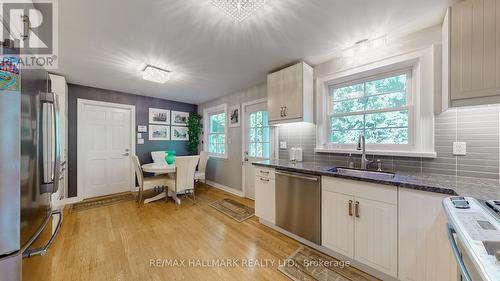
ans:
(194, 131)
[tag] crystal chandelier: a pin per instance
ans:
(239, 9)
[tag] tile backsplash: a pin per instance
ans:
(478, 126)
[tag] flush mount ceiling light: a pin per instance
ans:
(239, 9)
(155, 74)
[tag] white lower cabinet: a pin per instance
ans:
(337, 230)
(265, 198)
(360, 222)
(376, 241)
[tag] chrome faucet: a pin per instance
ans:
(361, 146)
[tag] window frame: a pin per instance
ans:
(248, 128)
(360, 78)
(206, 123)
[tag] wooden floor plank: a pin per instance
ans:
(117, 242)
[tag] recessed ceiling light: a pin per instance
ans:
(155, 74)
(239, 9)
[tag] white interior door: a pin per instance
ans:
(258, 142)
(105, 142)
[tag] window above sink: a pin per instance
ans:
(390, 102)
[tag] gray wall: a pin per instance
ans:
(478, 126)
(228, 171)
(142, 105)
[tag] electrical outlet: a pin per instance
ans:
(282, 144)
(460, 148)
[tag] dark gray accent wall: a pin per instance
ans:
(142, 105)
(478, 126)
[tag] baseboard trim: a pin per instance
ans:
(67, 201)
(226, 188)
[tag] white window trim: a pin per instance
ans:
(206, 126)
(421, 134)
(409, 106)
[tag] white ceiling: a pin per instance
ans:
(107, 43)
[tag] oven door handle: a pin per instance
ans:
(456, 253)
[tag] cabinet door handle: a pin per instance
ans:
(281, 111)
(266, 180)
(284, 112)
(356, 209)
(350, 208)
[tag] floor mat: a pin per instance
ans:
(233, 209)
(102, 201)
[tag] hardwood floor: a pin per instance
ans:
(121, 241)
(118, 242)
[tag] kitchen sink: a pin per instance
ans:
(362, 173)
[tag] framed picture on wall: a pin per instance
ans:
(180, 133)
(234, 116)
(180, 118)
(159, 133)
(159, 116)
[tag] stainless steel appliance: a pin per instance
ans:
(29, 160)
(474, 235)
(298, 204)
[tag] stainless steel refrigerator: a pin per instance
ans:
(29, 160)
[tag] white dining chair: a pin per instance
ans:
(183, 182)
(148, 182)
(158, 156)
(200, 175)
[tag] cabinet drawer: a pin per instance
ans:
(361, 189)
(264, 172)
(265, 199)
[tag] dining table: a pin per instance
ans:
(160, 169)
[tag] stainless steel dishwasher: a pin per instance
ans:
(298, 204)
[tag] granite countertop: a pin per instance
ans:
(453, 185)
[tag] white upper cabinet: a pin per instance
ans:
(290, 94)
(474, 52)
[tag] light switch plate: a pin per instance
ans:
(459, 148)
(282, 144)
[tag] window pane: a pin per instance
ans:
(258, 118)
(252, 151)
(252, 120)
(251, 135)
(212, 138)
(347, 122)
(258, 135)
(258, 147)
(265, 136)
(266, 152)
(265, 118)
(349, 105)
(387, 85)
(397, 99)
(349, 92)
(221, 138)
(212, 148)
(387, 136)
(345, 137)
(217, 123)
(387, 119)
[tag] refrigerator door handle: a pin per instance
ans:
(43, 250)
(50, 143)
